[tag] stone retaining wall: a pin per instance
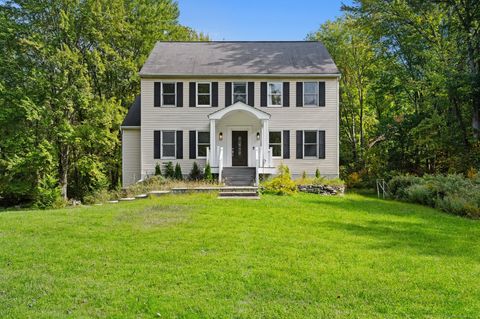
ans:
(322, 189)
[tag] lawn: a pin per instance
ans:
(195, 256)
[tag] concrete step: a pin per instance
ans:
(237, 194)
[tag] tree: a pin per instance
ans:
(178, 175)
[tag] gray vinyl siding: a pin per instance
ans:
(131, 155)
(282, 118)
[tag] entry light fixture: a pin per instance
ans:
(220, 136)
(258, 136)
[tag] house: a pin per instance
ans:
(243, 107)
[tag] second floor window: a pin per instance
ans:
(204, 94)
(310, 145)
(275, 93)
(168, 145)
(168, 94)
(239, 92)
(275, 143)
(310, 93)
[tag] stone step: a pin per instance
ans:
(237, 194)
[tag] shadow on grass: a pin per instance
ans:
(423, 230)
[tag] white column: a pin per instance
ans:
(213, 145)
(264, 142)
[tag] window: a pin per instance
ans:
(275, 90)
(203, 142)
(310, 146)
(203, 94)
(168, 94)
(310, 93)
(239, 92)
(275, 143)
(168, 144)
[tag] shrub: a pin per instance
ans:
(281, 184)
(169, 170)
(158, 170)
(398, 185)
(195, 173)
(317, 173)
(353, 180)
(421, 194)
(178, 172)
(208, 173)
(304, 175)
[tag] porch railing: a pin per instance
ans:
(220, 163)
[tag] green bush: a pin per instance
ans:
(195, 173)
(317, 173)
(169, 170)
(207, 175)
(178, 175)
(282, 184)
(158, 170)
(453, 193)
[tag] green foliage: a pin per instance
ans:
(71, 86)
(178, 172)
(451, 193)
(282, 184)
(158, 170)
(317, 173)
(195, 173)
(304, 174)
(207, 176)
(169, 170)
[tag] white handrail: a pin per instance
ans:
(220, 164)
(269, 158)
(208, 156)
(257, 160)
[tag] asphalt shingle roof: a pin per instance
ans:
(239, 58)
(133, 115)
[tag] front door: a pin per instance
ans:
(239, 148)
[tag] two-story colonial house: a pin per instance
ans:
(243, 107)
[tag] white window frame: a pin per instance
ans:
(316, 144)
(210, 93)
(246, 91)
(316, 93)
(174, 94)
(281, 143)
(174, 144)
(197, 140)
(269, 94)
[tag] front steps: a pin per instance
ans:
(239, 176)
(238, 192)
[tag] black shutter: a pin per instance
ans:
(193, 144)
(179, 144)
(214, 94)
(157, 94)
(192, 94)
(299, 144)
(299, 93)
(286, 144)
(179, 94)
(228, 94)
(263, 94)
(321, 93)
(321, 144)
(157, 143)
(286, 94)
(251, 94)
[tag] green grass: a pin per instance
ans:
(194, 256)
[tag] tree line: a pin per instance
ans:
(68, 73)
(410, 85)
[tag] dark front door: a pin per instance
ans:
(239, 148)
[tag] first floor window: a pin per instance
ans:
(310, 93)
(168, 94)
(203, 142)
(310, 143)
(239, 92)
(203, 94)
(275, 143)
(168, 144)
(275, 90)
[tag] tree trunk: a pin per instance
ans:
(63, 170)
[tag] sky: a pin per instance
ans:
(235, 20)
